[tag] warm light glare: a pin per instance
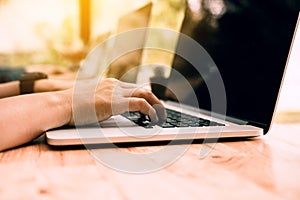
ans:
(25, 25)
(20, 22)
(107, 13)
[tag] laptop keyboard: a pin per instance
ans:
(174, 119)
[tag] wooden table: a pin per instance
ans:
(265, 168)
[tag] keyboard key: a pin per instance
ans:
(174, 119)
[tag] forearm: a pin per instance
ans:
(45, 85)
(25, 117)
(9, 89)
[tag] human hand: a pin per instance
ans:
(113, 97)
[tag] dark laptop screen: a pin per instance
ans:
(249, 41)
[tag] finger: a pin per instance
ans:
(127, 92)
(153, 100)
(161, 112)
(150, 98)
(142, 93)
(141, 105)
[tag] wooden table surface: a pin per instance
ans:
(264, 168)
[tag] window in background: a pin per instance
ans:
(31, 30)
(52, 31)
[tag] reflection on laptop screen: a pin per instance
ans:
(249, 42)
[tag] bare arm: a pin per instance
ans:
(9, 89)
(23, 118)
(46, 85)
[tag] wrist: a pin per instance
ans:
(62, 103)
(43, 85)
(27, 81)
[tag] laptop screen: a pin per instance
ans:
(249, 41)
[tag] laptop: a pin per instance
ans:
(247, 44)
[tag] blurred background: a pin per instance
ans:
(62, 32)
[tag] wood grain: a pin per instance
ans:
(263, 168)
